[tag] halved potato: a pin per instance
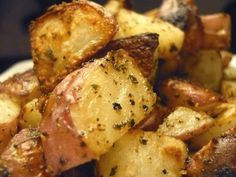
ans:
(177, 92)
(170, 38)
(142, 48)
(66, 36)
(30, 115)
(142, 154)
(10, 110)
(23, 86)
(216, 159)
(92, 108)
(23, 157)
(225, 119)
(206, 68)
(184, 123)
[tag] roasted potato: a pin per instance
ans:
(228, 88)
(23, 86)
(23, 157)
(225, 119)
(217, 31)
(114, 6)
(30, 115)
(92, 108)
(142, 154)
(184, 123)
(142, 48)
(216, 159)
(177, 92)
(66, 36)
(10, 110)
(170, 37)
(197, 68)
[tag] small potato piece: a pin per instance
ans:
(217, 31)
(10, 110)
(23, 157)
(23, 86)
(66, 36)
(216, 159)
(223, 122)
(185, 123)
(142, 154)
(142, 48)
(92, 108)
(176, 92)
(170, 37)
(30, 115)
(198, 70)
(114, 6)
(228, 88)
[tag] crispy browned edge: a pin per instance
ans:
(52, 11)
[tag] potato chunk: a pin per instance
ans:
(142, 154)
(92, 108)
(10, 110)
(170, 38)
(216, 159)
(23, 157)
(67, 35)
(185, 123)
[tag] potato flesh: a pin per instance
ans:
(66, 36)
(10, 111)
(142, 154)
(185, 123)
(170, 37)
(92, 106)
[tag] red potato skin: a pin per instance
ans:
(60, 135)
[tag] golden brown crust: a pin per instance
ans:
(24, 156)
(216, 159)
(66, 36)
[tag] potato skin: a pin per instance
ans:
(177, 92)
(24, 156)
(22, 86)
(216, 159)
(58, 40)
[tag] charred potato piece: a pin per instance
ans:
(216, 159)
(184, 15)
(142, 48)
(92, 108)
(23, 157)
(176, 92)
(146, 154)
(185, 123)
(225, 119)
(66, 36)
(198, 70)
(217, 31)
(30, 115)
(170, 37)
(24, 86)
(10, 110)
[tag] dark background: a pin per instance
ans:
(15, 17)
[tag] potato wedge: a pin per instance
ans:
(30, 115)
(92, 108)
(198, 70)
(170, 37)
(23, 157)
(23, 86)
(216, 159)
(217, 31)
(66, 36)
(142, 154)
(225, 120)
(176, 92)
(184, 123)
(142, 48)
(10, 110)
